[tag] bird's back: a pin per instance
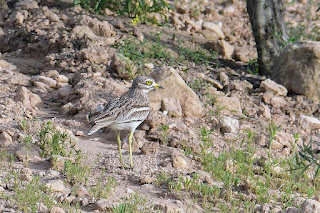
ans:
(119, 113)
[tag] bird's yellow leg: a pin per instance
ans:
(130, 148)
(119, 146)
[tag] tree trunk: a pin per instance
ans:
(269, 31)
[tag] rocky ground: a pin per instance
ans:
(219, 138)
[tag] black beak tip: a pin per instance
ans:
(161, 87)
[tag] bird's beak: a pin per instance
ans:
(158, 86)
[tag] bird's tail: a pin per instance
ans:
(95, 128)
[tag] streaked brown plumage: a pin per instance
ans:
(126, 112)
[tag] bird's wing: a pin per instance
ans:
(123, 110)
(137, 112)
(109, 112)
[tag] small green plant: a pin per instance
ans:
(198, 56)
(272, 129)
(121, 208)
(134, 203)
(27, 143)
(158, 51)
(164, 134)
(24, 125)
(76, 172)
(307, 158)
(198, 85)
(27, 197)
(211, 99)
(294, 143)
(138, 9)
(143, 52)
(253, 67)
(187, 149)
(52, 141)
(102, 190)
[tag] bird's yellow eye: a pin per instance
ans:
(148, 82)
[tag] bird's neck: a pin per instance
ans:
(138, 92)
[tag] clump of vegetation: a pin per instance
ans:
(253, 67)
(142, 52)
(53, 141)
(140, 10)
(103, 189)
(198, 56)
(76, 172)
(241, 172)
(134, 203)
(198, 85)
(27, 195)
(164, 134)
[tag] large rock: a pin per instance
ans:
(298, 69)
(309, 206)
(175, 87)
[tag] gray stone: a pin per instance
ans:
(276, 145)
(264, 110)
(58, 161)
(229, 125)
(27, 4)
(82, 192)
(310, 206)
(42, 208)
(298, 67)
(229, 103)
(122, 66)
(57, 186)
(278, 102)
(56, 209)
(35, 99)
(310, 123)
(65, 91)
(179, 162)
(61, 79)
(20, 79)
(23, 96)
(214, 27)
(150, 148)
(5, 139)
(286, 139)
(224, 78)
(104, 205)
(277, 89)
(46, 80)
(29, 154)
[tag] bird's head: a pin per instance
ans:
(145, 83)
